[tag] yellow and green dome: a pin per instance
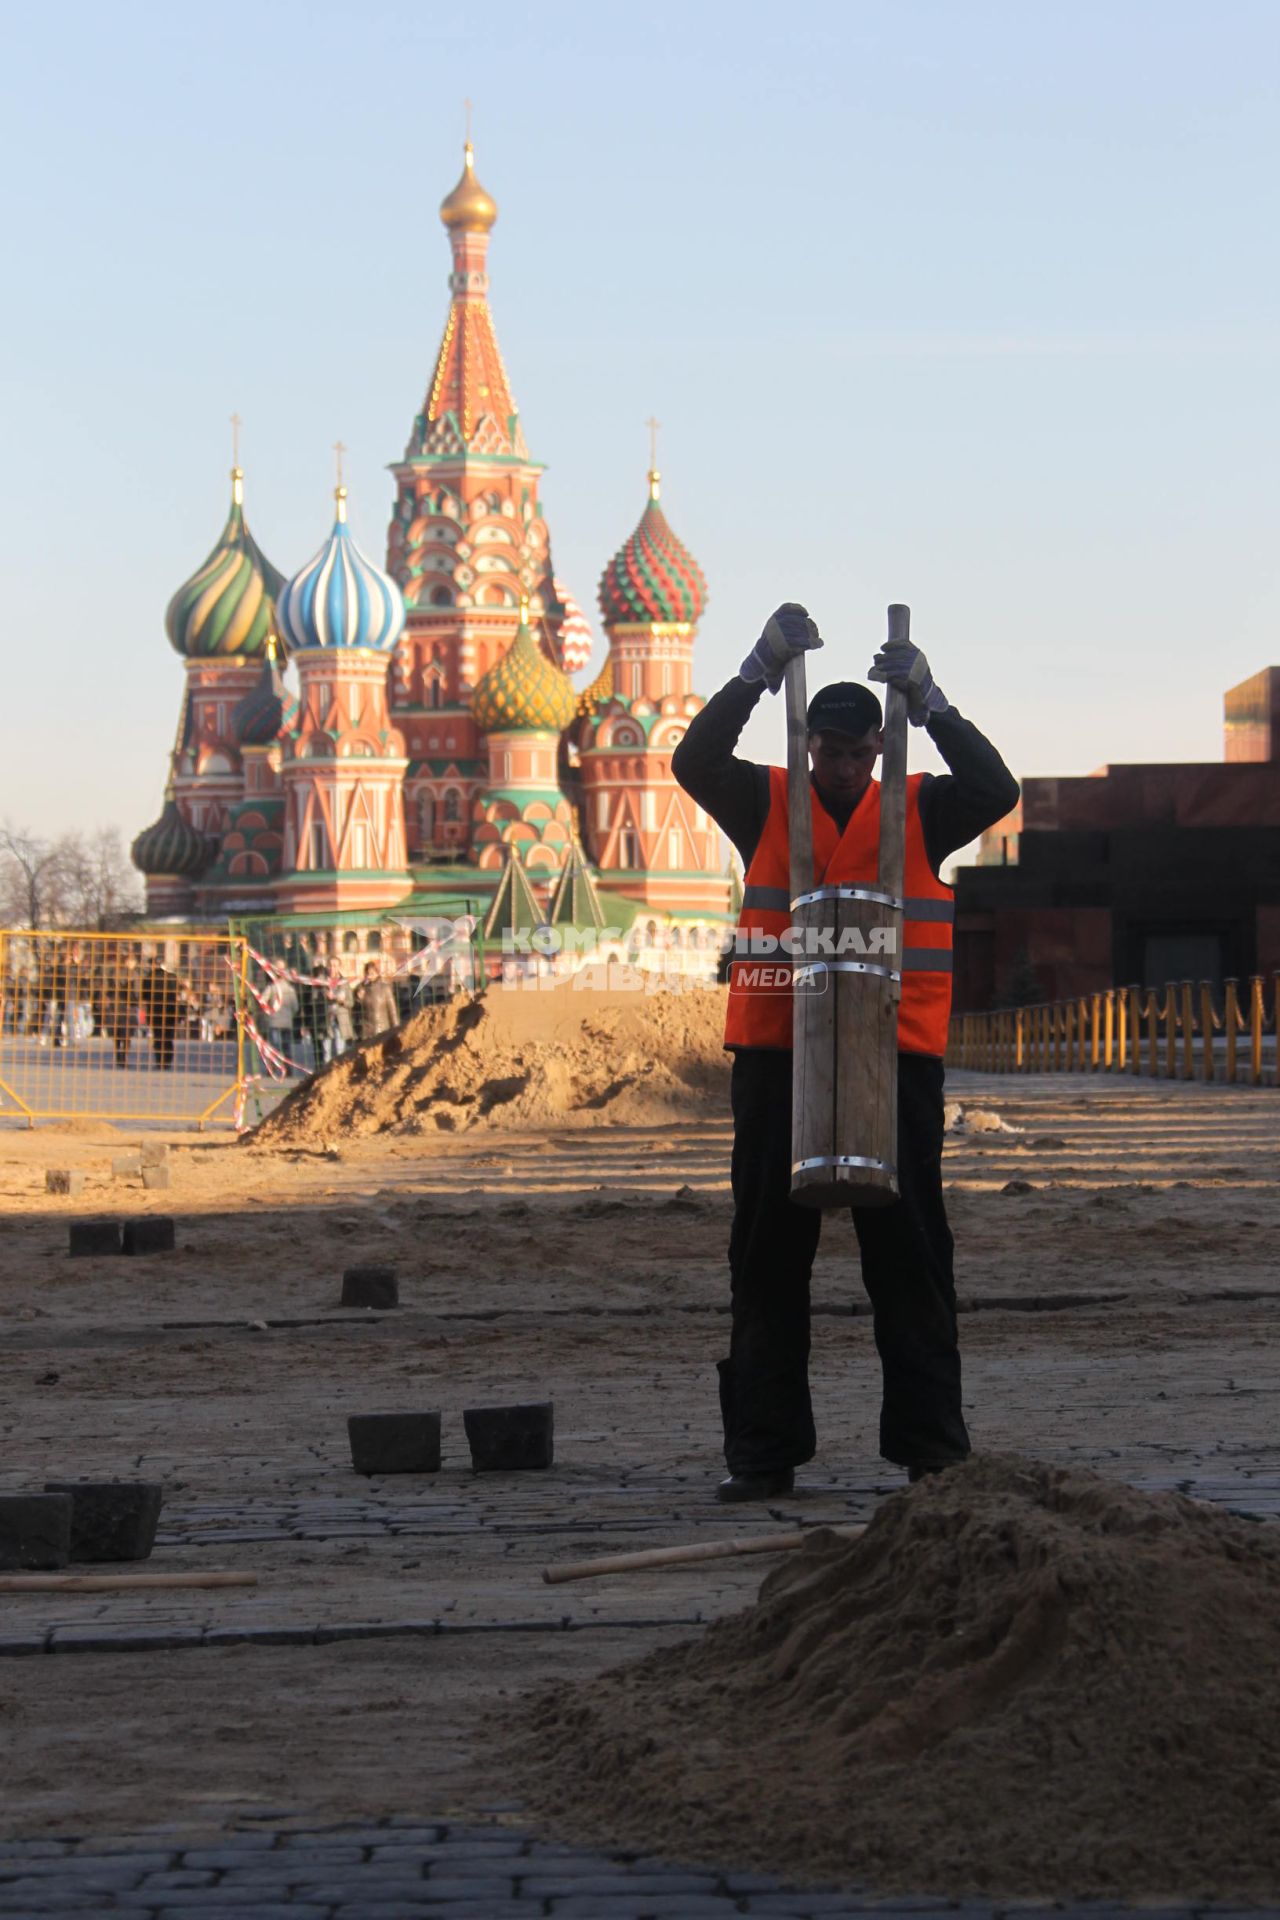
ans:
(523, 692)
(228, 606)
(592, 698)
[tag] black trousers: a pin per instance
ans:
(906, 1251)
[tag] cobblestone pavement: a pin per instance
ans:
(1118, 1291)
(400, 1869)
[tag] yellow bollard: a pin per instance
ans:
(1231, 1022)
(1207, 1023)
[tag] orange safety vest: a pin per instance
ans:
(760, 981)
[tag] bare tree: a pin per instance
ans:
(99, 886)
(80, 880)
(29, 877)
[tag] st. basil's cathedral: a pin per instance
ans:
(436, 745)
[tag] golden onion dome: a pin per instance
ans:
(592, 698)
(523, 691)
(469, 208)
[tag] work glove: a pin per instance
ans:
(901, 664)
(788, 633)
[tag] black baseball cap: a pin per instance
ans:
(844, 707)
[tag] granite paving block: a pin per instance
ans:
(148, 1640)
(457, 1885)
(156, 1178)
(111, 1519)
(26, 1900)
(93, 1237)
(68, 1180)
(35, 1531)
(511, 1439)
(374, 1630)
(16, 1646)
(175, 1878)
(646, 1906)
(562, 1886)
(469, 1911)
(126, 1166)
(482, 1909)
(251, 1910)
(234, 1856)
(817, 1904)
(394, 1442)
(448, 1854)
(149, 1233)
(370, 1286)
(260, 1636)
(365, 1886)
(248, 1902)
(143, 1852)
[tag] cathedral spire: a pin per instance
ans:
(469, 408)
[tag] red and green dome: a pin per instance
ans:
(653, 579)
(523, 691)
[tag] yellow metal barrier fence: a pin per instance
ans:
(113, 1026)
(1186, 1030)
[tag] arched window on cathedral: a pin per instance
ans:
(435, 693)
(426, 819)
(442, 596)
(453, 806)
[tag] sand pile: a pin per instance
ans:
(513, 1059)
(1019, 1681)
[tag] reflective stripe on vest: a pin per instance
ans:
(760, 999)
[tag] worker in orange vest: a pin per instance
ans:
(906, 1247)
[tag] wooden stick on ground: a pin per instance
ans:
(117, 1582)
(682, 1556)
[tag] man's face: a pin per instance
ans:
(842, 765)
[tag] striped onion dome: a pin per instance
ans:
(523, 691)
(171, 845)
(576, 637)
(256, 720)
(598, 694)
(228, 604)
(340, 599)
(652, 579)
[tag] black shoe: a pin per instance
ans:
(756, 1486)
(923, 1469)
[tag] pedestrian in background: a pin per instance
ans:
(341, 1027)
(282, 1009)
(375, 1003)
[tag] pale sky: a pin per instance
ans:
(968, 303)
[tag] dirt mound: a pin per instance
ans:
(517, 1058)
(1019, 1681)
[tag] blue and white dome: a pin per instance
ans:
(340, 599)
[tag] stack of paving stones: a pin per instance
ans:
(144, 1233)
(76, 1522)
(406, 1869)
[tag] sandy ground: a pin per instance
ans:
(1120, 1315)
